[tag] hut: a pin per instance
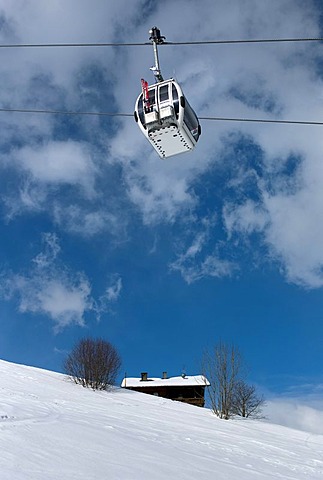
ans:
(188, 389)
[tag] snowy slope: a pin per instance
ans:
(51, 429)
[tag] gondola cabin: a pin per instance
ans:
(166, 118)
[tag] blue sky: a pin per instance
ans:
(100, 237)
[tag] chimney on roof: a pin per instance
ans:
(144, 376)
(164, 376)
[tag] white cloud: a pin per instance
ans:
(65, 300)
(295, 234)
(296, 413)
(53, 290)
(245, 218)
(298, 406)
(159, 196)
(58, 163)
(265, 81)
(288, 217)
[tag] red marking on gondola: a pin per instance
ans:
(144, 86)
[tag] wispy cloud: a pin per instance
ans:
(114, 289)
(89, 221)
(195, 262)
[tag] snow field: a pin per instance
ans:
(52, 429)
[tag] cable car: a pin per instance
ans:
(163, 113)
(166, 118)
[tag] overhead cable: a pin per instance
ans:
(263, 40)
(65, 112)
(261, 120)
(143, 44)
(117, 114)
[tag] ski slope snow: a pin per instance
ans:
(52, 429)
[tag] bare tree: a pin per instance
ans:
(246, 402)
(222, 366)
(93, 363)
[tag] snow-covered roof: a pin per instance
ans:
(187, 381)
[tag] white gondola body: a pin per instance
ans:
(169, 123)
